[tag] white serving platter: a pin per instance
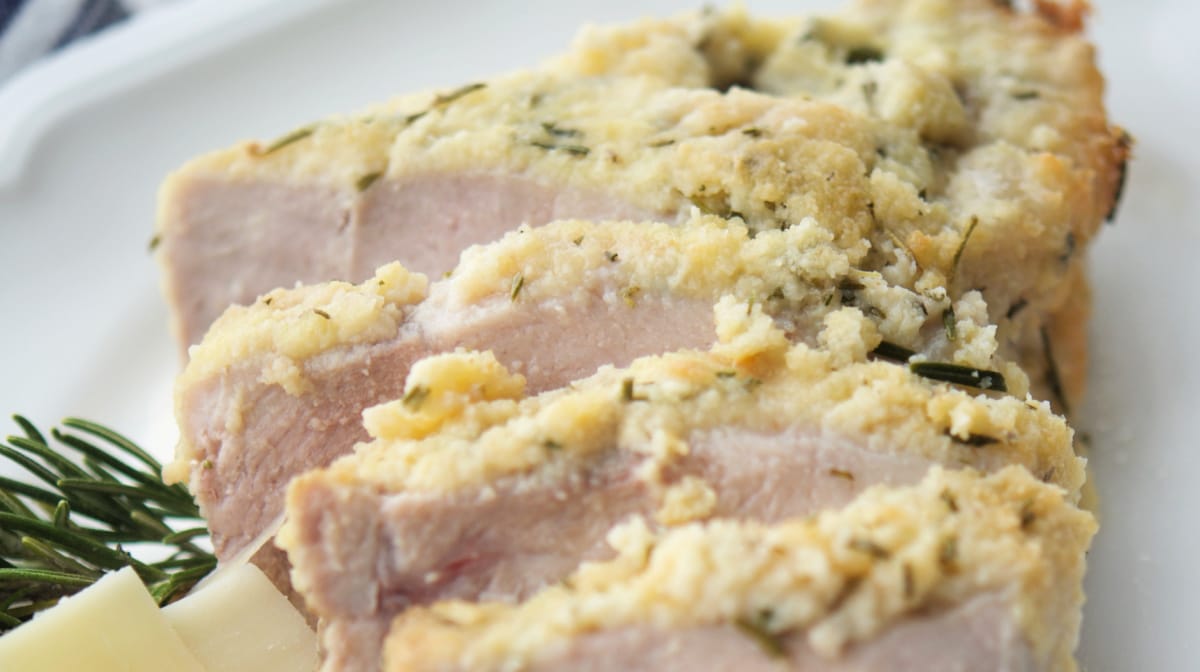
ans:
(86, 136)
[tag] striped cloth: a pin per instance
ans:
(32, 28)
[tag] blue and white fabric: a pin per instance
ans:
(29, 29)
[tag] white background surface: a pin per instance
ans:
(86, 138)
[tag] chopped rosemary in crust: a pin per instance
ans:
(833, 580)
(784, 123)
(457, 439)
(795, 270)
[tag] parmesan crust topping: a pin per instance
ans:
(286, 327)
(909, 179)
(754, 378)
(945, 144)
(838, 578)
(800, 277)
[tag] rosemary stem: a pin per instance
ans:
(62, 526)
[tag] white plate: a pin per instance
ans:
(86, 138)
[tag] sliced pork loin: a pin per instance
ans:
(352, 195)
(958, 572)
(471, 491)
(278, 387)
(966, 142)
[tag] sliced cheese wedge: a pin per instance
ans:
(239, 622)
(112, 626)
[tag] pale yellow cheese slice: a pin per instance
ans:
(239, 622)
(112, 626)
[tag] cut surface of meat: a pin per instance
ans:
(278, 387)
(966, 143)
(959, 571)
(307, 234)
(978, 636)
(862, 238)
(464, 498)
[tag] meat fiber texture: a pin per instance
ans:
(471, 490)
(278, 387)
(963, 144)
(957, 572)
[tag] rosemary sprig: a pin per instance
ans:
(90, 492)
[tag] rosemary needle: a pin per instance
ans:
(89, 492)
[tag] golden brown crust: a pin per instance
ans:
(1069, 15)
(1068, 343)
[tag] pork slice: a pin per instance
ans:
(498, 499)
(770, 122)
(227, 241)
(277, 388)
(242, 495)
(248, 433)
(337, 199)
(977, 635)
(983, 150)
(957, 571)
(514, 535)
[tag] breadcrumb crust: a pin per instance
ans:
(841, 576)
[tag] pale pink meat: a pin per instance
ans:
(226, 242)
(363, 555)
(242, 473)
(976, 636)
